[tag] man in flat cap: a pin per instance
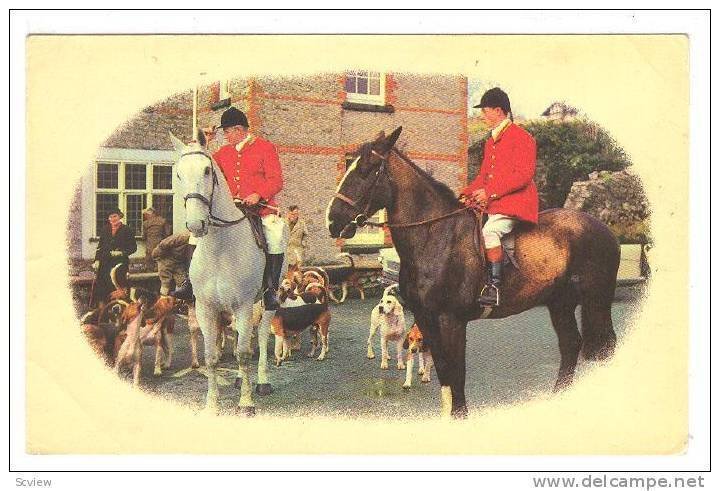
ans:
(504, 188)
(252, 168)
(112, 258)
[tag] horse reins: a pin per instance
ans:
(214, 221)
(381, 170)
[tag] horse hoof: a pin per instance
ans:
(195, 365)
(371, 357)
(459, 413)
(406, 387)
(238, 382)
(425, 381)
(263, 389)
(246, 411)
(157, 372)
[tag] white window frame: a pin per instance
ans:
(122, 191)
(224, 92)
(376, 100)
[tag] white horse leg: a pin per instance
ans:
(208, 320)
(263, 386)
(446, 402)
(194, 328)
(243, 355)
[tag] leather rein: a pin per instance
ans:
(361, 218)
(214, 221)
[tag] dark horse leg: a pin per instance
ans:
(447, 344)
(598, 334)
(597, 291)
(562, 315)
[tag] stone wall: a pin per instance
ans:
(618, 200)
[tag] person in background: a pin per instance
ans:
(173, 255)
(155, 229)
(298, 237)
(117, 242)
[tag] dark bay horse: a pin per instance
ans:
(568, 259)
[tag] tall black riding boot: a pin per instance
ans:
(184, 291)
(490, 294)
(271, 280)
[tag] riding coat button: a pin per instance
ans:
(489, 176)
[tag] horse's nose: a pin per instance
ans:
(381, 309)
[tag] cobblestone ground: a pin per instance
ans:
(509, 360)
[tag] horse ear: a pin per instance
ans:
(201, 138)
(179, 146)
(380, 136)
(392, 139)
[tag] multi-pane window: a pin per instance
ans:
(132, 187)
(365, 87)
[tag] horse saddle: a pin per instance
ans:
(251, 212)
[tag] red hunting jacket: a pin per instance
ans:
(254, 169)
(507, 172)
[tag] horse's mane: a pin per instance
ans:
(441, 188)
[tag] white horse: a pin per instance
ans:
(226, 270)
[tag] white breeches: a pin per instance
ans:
(495, 228)
(276, 233)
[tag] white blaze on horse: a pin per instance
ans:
(226, 270)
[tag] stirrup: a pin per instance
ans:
(488, 296)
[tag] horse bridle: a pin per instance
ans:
(362, 216)
(214, 221)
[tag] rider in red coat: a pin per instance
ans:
(252, 169)
(504, 188)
